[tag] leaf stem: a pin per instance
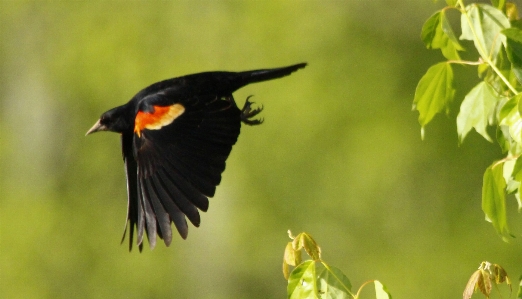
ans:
(361, 287)
(479, 62)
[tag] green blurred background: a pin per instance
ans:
(339, 155)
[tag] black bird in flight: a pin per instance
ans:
(176, 136)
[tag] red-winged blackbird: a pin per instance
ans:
(176, 136)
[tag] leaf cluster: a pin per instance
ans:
(484, 278)
(314, 278)
(494, 102)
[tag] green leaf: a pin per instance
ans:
(303, 282)
(517, 176)
(511, 118)
(481, 69)
(434, 92)
(494, 199)
(507, 171)
(514, 46)
(476, 111)
(482, 24)
(518, 74)
(333, 283)
(438, 34)
(507, 108)
(304, 240)
(448, 30)
(381, 292)
(504, 139)
(429, 30)
(291, 258)
(517, 170)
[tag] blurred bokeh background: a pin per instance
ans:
(339, 155)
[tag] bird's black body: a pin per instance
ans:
(176, 136)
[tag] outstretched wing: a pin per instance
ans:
(179, 152)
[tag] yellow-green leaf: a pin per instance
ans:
(430, 31)
(303, 282)
(507, 107)
(304, 240)
(494, 199)
(434, 92)
(517, 170)
(381, 292)
(482, 24)
(510, 117)
(291, 258)
(313, 250)
(437, 34)
(476, 111)
(333, 283)
(514, 46)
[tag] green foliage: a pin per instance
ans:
(314, 278)
(495, 101)
(302, 282)
(476, 111)
(438, 34)
(434, 92)
(333, 283)
(494, 198)
(482, 24)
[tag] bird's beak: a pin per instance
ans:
(96, 128)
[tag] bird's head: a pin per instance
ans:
(114, 120)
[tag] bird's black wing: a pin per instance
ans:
(180, 148)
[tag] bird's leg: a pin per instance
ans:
(247, 113)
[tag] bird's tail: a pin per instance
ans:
(269, 74)
(243, 78)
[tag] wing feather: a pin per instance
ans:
(179, 164)
(150, 217)
(162, 216)
(132, 201)
(175, 214)
(181, 201)
(189, 191)
(204, 179)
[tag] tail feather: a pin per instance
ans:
(238, 80)
(269, 74)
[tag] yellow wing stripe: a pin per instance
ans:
(157, 119)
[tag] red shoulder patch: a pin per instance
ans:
(160, 117)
